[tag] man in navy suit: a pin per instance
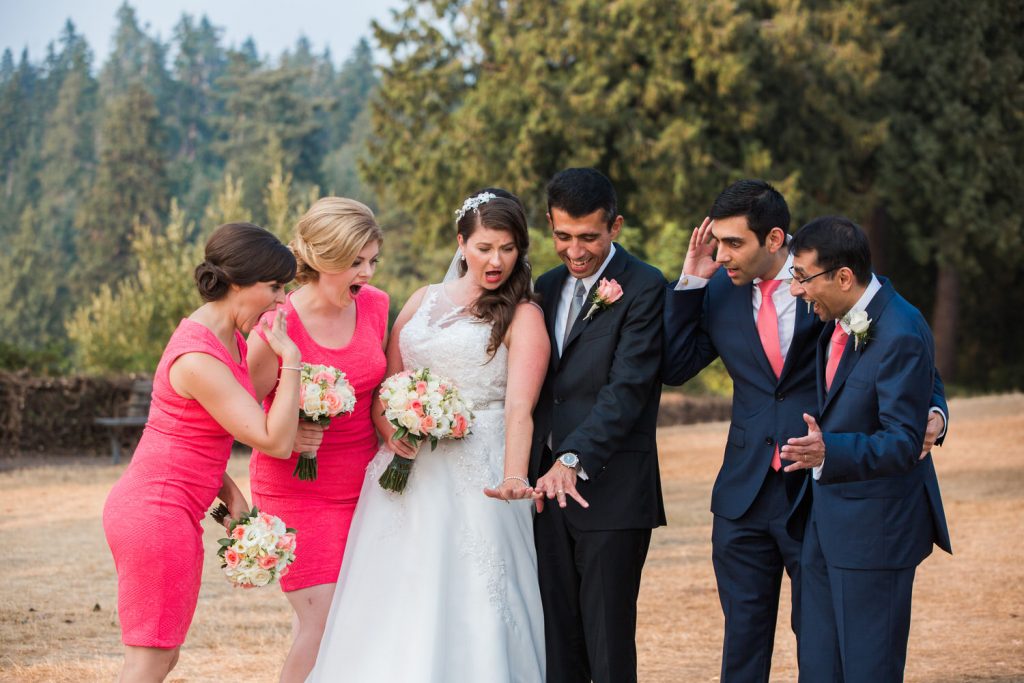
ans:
(735, 304)
(875, 506)
(595, 458)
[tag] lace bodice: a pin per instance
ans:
(453, 343)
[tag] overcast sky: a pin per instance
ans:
(273, 24)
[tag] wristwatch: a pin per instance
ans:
(570, 460)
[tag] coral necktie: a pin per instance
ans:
(768, 331)
(839, 337)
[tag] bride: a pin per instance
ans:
(439, 583)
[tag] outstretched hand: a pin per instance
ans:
(558, 484)
(806, 452)
(510, 489)
(700, 255)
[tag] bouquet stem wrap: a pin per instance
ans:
(305, 466)
(396, 476)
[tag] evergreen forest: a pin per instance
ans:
(907, 116)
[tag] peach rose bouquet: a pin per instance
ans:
(257, 550)
(423, 407)
(324, 393)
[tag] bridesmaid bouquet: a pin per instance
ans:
(257, 550)
(422, 406)
(325, 393)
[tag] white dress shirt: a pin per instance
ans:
(565, 298)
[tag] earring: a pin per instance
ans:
(462, 257)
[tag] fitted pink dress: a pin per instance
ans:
(152, 516)
(321, 510)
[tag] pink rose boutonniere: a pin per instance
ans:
(608, 292)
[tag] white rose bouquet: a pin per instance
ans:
(325, 393)
(422, 406)
(257, 550)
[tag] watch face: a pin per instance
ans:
(569, 460)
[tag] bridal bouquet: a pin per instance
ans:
(422, 407)
(257, 550)
(325, 393)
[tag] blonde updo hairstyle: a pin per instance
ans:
(329, 237)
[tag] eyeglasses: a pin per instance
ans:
(800, 281)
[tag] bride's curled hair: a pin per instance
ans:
(505, 212)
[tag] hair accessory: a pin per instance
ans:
(473, 203)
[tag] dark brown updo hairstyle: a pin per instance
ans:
(504, 212)
(242, 254)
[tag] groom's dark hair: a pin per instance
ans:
(582, 191)
(763, 206)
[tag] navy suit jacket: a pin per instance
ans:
(718, 320)
(600, 398)
(877, 504)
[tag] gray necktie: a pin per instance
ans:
(575, 306)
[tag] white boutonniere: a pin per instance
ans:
(858, 324)
(607, 293)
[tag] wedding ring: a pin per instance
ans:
(560, 492)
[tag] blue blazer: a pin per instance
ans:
(877, 505)
(718, 320)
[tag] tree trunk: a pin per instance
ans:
(944, 320)
(875, 228)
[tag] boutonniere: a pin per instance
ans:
(608, 292)
(858, 324)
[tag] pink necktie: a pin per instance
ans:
(839, 337)
(768, 330)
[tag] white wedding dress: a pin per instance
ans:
(439, 584)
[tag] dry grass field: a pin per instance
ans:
(58, 592)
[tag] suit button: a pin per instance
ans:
(769, 440)
(558, 401)
(780, 397)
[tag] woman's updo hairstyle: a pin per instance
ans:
(503, 212)
(242, 254)
(330, 236)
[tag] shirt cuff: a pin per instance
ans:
(690, 282)
(945, 420)
(816, 471)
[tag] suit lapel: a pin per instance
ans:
(549, 302)
(803, 328)
(852, 355)
(820, 360)
(614, 270)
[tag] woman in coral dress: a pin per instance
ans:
(336, 319)
(203, 400)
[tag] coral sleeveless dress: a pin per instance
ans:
(152, 516)
(321, 510)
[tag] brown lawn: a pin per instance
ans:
(58, 592)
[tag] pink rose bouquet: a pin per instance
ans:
(324, 393)
(607, 293)
(421, 406)
(257, 550)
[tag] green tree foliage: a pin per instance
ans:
(952, 173)
(130, 188)
(124, 327)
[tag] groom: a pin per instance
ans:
(594, 457)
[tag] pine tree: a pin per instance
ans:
(130, 188)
